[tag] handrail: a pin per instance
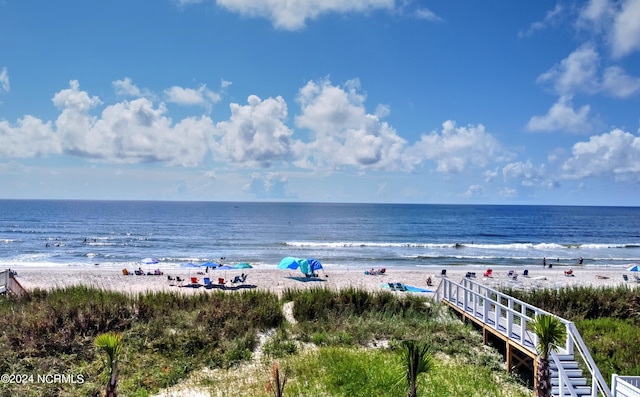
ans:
(4, 280)
(596, 376)
(9, 284)
(478, 294)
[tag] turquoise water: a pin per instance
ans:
(83, 233)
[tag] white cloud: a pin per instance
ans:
(526, 172)
(129, 131)
(189, 96)
(126, 88)
(562, 117)
(618, 20)
(343, 132)
(616, 154)
(4, 79)
(594, 14)
(271, 185)
(474, 191)
(617, 83)
(292, 15)
(255, 134)
(625, 36)
(455, 149)
(550, 19)
(427, 15)
(576, 73)
(30, 137)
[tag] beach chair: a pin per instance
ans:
(400, 287)
(568, 273)
(625, 277)
(525, 273)
(239, 279)
(443, 273)
(488, 273)
(470, 275)
(206, 281)
(194, 280)
(179, 280)
(392, 286)
(221, 281)
(171, 280)
(126, 272)
(637, 278)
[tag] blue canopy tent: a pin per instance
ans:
(308, 267)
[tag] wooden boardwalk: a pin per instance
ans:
(504, 318)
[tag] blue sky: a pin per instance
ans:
(321, 100)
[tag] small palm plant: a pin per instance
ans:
(551, 333)
(418, 360)
(111, 344)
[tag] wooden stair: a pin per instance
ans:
(577, 386)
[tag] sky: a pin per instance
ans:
(376, 101)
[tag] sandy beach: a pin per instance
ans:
(276, 280)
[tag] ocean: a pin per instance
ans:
(121, 233)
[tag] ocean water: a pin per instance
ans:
(121, 233)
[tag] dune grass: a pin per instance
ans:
(346, 342)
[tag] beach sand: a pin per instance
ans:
(272, 279)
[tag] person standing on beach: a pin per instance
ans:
(544, 263)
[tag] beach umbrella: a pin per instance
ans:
(190, 266)
(289, 262)
(314, 264)
(149, 261)
(209, 264)
(306, 266)
(224, 267)
(242, 265)
(634, 268)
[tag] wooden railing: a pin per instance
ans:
(505, 314)
(625, 386)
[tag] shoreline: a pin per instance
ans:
(276, 280)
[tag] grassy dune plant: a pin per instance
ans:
(168, 335)
(111, 344)
(418, 360)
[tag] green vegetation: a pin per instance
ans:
(344, 343)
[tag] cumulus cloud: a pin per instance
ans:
(455, 149)
(625, 37)
(126, 87)
(270, 185)
(618, 20)
(189, 96)
(577, 72)
(4, 79)
(617, 83)
(474, 191)
(255, 134)
(292, 15)
(128, 132)
(615, 154)
(29, 137)
(550, 19)
(526, 172)
(562, 117)
(343, 132)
